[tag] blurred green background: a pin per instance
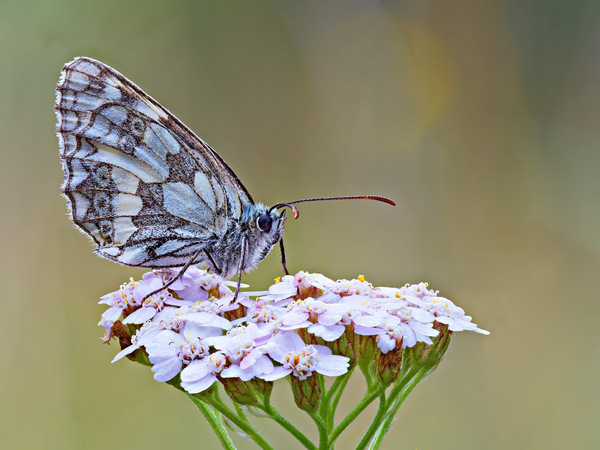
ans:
(479, 118)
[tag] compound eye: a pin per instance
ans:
(264, 222)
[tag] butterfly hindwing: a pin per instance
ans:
(147, 190)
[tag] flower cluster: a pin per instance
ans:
(303, 324)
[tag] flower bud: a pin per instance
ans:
(431, 355)
(367, 352)
(389, 365)
(307, 393)
(246, 392)
(343, 345)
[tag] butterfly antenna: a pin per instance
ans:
(286, 205)
(318, 199)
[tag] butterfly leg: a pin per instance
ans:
(212, 261)
(176, 277)
(282, 250)
(241, 267)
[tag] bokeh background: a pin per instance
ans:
(481, 119)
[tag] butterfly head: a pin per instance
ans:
(264, 230)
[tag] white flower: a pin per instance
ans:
(245, 348)
(331, 320)
(184, 325)
(391, 332)
(168, 351)
(143, 335)
(302, 360)
(448, 313)
(260, 311)
(200, 374)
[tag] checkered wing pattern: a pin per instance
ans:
(145, 188)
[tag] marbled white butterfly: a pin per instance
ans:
(146, 189)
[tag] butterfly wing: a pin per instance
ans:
(143, 186)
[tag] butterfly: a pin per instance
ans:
(147, 190)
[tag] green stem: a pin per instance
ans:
(369, 397)
(376, 423)
(324, 403)
(215, 422)
(274, 414)
(323, 414)
(323, 430)
(337, 389)
(369, 379)
(395, 404)
(241, 422)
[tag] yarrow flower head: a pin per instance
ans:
(290, 329)
(305, 326)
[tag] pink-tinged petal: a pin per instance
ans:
(332, 315)
(386, 343)
(196, 370)
(146, 288)
(254, 371)
(368, 321)
(297, 326)
(140, 316)
(194, 387)
(333, 365)
(415, 300)
(218, 342)
(367, 331)
(444, 319)
(330, 298)
(264, 365)
(421, 315)
(480, 331)
(199, 317)
(253, 293)
(392, 305)
(392, 321)
(144, 336)
(322, 350)
(248, 361)
(330, 333)
(176, 302)
(282, 290)
(178, 285)
(109, 299)
(409, 339)
(161, 354)
(284, 342)
(422, 338)
(425, 329)
(275, 351)
(278, 372)
(192, 293)
(248, 374)
(166, 313)
(232, 371)
(197, 331)
(125, 352)
(166, 370)
(294, 317)
(320, 281)
(112, 314)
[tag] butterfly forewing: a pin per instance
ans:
(139, 182)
